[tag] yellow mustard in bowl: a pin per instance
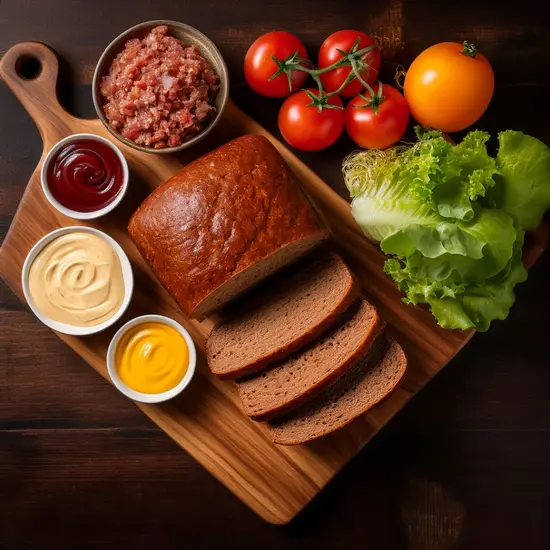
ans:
(152, 357)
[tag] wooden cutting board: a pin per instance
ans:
(206, 421)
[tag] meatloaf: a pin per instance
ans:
(305, 374)
(282, 315)
(364, 386)
(223, 223)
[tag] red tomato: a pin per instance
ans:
(329, 54)
(259, 65)
(380, 129)
(304, 127)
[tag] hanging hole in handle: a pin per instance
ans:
(28, 67)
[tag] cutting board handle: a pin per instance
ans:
(30, 69)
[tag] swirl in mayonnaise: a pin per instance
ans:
(77, 280)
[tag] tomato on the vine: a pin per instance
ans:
(379, 121)
(259, 66)
(306, 127)
(328, 54)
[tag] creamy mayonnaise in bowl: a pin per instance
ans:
(77, 280)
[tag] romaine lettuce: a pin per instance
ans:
(469, 172)
(524, 181)
(475, 250)
(460, 305)
(452, 218)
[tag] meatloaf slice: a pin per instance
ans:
(282, 315)
(305, 374)
(223, 223)
(368, 383)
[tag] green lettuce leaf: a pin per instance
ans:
(460, 306)
(453, 219)
(433, 241)
(450, 314)
(383, 202)
(419, 289)
(468, 172)
(466, 252)
(426, 184)
(523, 186)
(421, 167)
(493, 301)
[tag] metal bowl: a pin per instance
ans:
(188, 35)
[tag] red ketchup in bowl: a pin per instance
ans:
(85, 175)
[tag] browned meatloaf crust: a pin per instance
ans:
(223, 223)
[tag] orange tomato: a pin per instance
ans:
(449, 86)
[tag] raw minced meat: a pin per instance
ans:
(159, 92)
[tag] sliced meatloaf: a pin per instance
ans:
(282, 315)
(368, 383)
(306, 373)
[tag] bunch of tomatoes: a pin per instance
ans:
(447, 87)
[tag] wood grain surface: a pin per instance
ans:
(467, 462)
(276, 482)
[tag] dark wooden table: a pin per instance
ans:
(466, 464)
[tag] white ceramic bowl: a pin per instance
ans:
(65, 328)
(150, 397)
(74, 213)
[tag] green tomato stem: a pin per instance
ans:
(373, 101)
(352, 59)
(469, 50)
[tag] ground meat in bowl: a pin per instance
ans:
(159, 92)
